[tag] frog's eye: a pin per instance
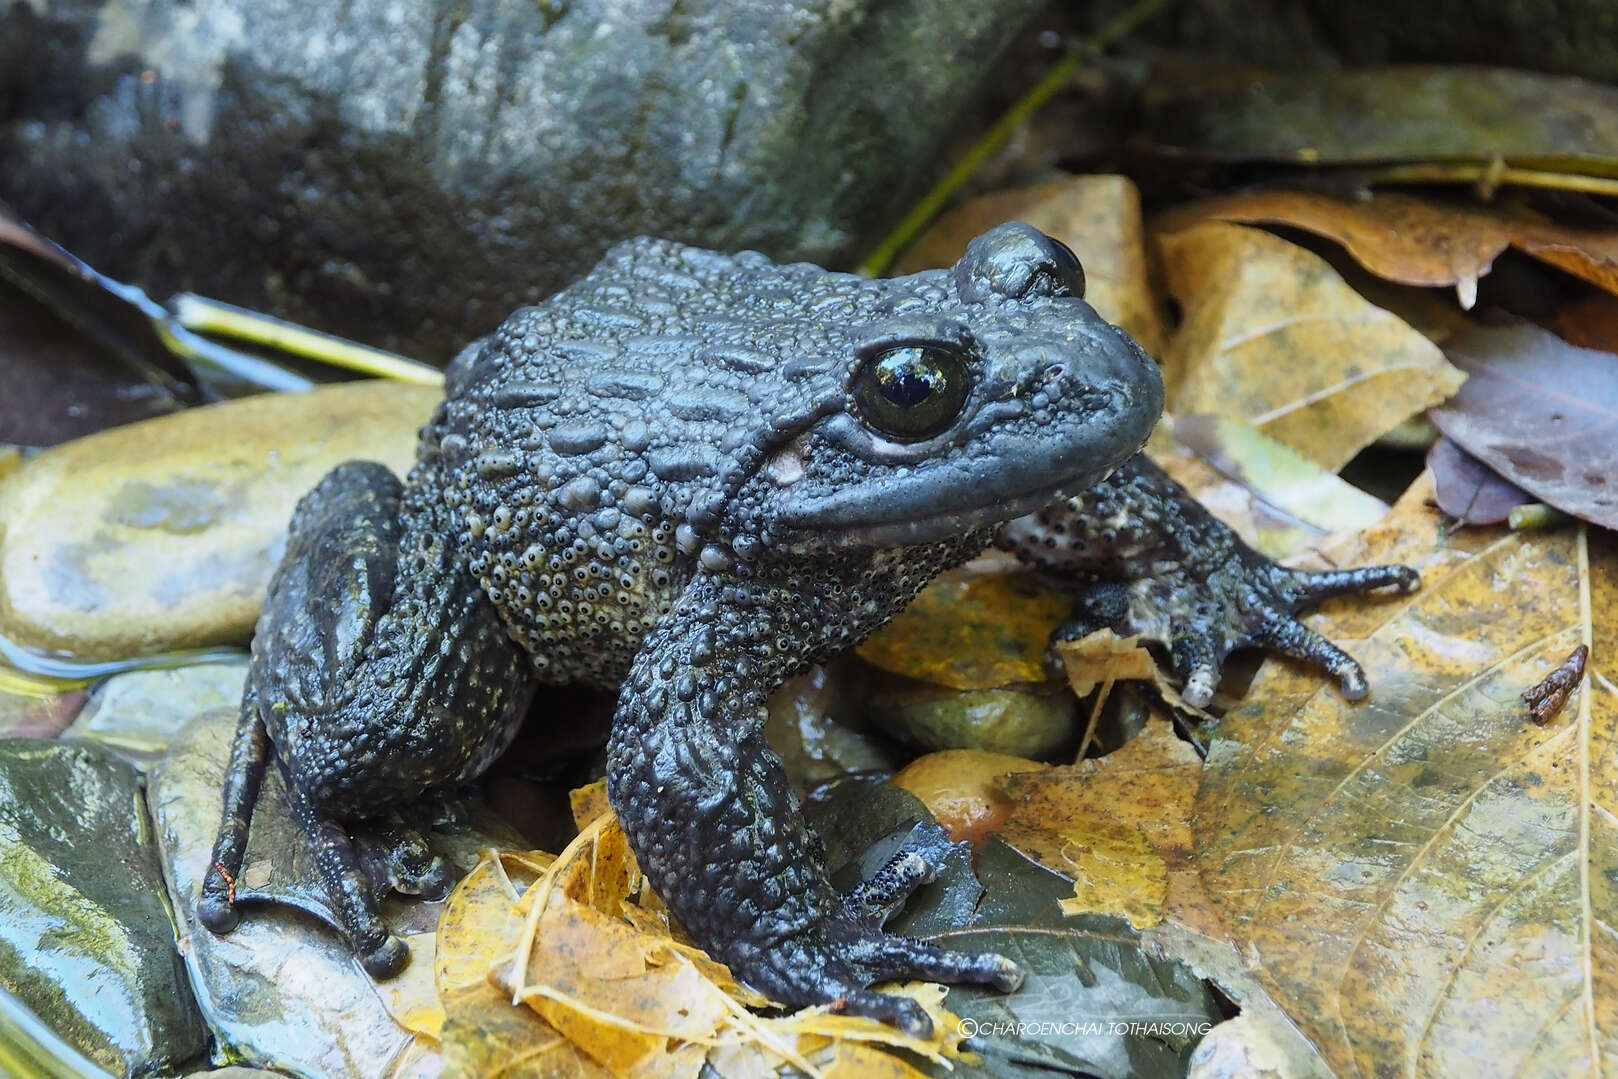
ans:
(1066, 267)
(911, 392)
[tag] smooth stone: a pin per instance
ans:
(959, 788)
(138, 713)
(162, 535)
(1023, 722)
(807, 726)
(85, 938)
(36, 710)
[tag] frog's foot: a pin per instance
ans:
(837, 961)
(396, 857)
(352, 890)
(1143, 557)
(1202, 613)
(718, 831)
(834, 962)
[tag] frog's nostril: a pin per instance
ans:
(1055, 373)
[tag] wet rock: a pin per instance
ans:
(85, 941)
(282, 990)
(31, 708)
(138, 713)
(162, 535)
(1023, 721)
(808, 725)
(409, 172)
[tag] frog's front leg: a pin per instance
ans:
(707, 809)
(1142, 556)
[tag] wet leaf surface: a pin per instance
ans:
(1423, 880)
(983, 626)
(1541, 413)
(1277, 500)
(1118, 825)
(1392, 114)
(1418, 241)
(1272, 336)
(1094, 1003)
(1469, 490)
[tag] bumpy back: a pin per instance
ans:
(591, 442)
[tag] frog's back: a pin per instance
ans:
(588, 442)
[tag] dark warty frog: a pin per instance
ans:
(685, 478)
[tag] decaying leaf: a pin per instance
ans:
(1095, 1002)
(1278, 501)
(1469, 490)
(1274, 338)
(1425, 880)
(1409, 113)
(1118, 825)
(567, 967)
(982, 626)
(1417, 241)
(1097, 216)
(1541, 413)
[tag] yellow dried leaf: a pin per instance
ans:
(588, 802)
(487, 1037)
(1424, 880)
(981, 626)
(1119, 825)
(1097, 216)
(1274, 338)
(480, 920)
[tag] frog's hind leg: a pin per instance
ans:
(244, 776)
(381, 673)
(351, 889)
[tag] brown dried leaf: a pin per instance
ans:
(1274, 338)
(1541, 413)
(1425, 880)
(1118, 825)
(1097, 216)
(1417, 241)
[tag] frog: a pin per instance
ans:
(683, 479)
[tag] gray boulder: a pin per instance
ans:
(408, 171)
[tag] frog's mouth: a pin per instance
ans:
(961, 487)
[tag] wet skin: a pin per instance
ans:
(685, 478)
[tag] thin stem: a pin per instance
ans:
(202, 315)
